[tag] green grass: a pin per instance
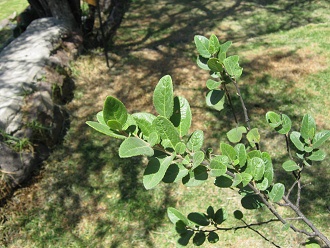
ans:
(86, 196)
(7, 7)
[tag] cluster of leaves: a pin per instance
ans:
(177, 155)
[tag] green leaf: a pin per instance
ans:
(156, 170)
(163, 97)
(198, 158)
(181, 117)
(105, 129)
(251, 201)
(225, 46)
(215, 65)
(223, 181)
(202, 63)
(180, 227)
(320, 138)
(263, 185)
(220, 216)
(246, 178)
(199, 238)
(133, 146)
(214, 44)
(196, 141)
(195, 177)
(202, 45)
(115, 112)
(277, 192)
(167, 132)
(295, 138)
(256, 168)
(218, 168)
(174, 173)
(198, 219)
(308, 127)
(241, 154)
(100, 118)
(213, 237)
(312, 243)
(317, 155)
(175, 215)
(237, 180)
(232, 66)
(235, 135)
(216, 99)
(229, 151)
(269, 171)
(290, 165)
(273, 119)
(253, 136)
(180, 148)
(212, 85)
(144, 122)
(153, 139)
(286, 125)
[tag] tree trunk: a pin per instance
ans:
(67, 11)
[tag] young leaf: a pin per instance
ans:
(246, 178)
(237, 180)
(144, 122)
(180, 148)
(115, 112)
(196, 141)
(295, 138)
(317, 155)
(232, 66)
(202, 45)
(263, 185)
(253, 136)
(202, 63)
(210, 212)
(241, 154)
(212, 85)
(251, 201)
(277, 192)
(269, 171)
(217, 167)
(100, 118)
(198, 219)
(273, 119)
(163, 97)
(286, 125)
(174, 173)
(185, 237)
(198, 158)
(199, 238)
(167, 132)
(175, 215)
(228, 151)
(156, 170)
(196, 177)
(225, 46)
(133, 146)
(181, 117)
(290, 165)
(105, 129)
(308, 127)
(255, 167)
(216, 99)
(235, 135)
(214, 44)
(320, 138)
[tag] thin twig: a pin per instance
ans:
(230, 103)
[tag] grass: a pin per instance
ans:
(9, 7)
(85, 196)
